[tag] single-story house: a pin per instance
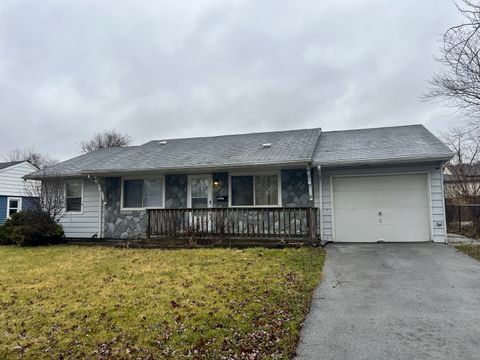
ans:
(368, 185)
(14, 196)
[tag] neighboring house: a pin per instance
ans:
(369, 185)
(13, 194)
(462, 183)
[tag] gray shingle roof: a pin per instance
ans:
(389, 144)
(5, 165)
(76, 165)
(401, 143)
(294, 146)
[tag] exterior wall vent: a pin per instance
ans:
(266, 145)
(163, 142)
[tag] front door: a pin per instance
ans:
(200, 191)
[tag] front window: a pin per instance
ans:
(143, 193)
(14, 206)
(73, 195)
(255, 190)
(266, 190)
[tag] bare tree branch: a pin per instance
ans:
(459, 84)
(105, 140)
(463, 171)
(35, 158)
(48, 196)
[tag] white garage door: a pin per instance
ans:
(381, 208)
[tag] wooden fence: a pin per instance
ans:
(254, 223)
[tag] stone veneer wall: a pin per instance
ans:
(131, 224)
(121, 224)
(295, 188)
(175, 191)
(220, 190)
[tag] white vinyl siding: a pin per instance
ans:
(86, 223)
(436, 201)
(11, 179)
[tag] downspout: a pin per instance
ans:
(443, 202)
(102, 204)
(320, 197)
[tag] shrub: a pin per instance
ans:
(31, 228)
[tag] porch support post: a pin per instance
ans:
(148, 225)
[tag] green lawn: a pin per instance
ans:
(96, 302)
(471, 250)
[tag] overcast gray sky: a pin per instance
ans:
(161, 69)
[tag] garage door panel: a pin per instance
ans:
(404, 233)
(401, 200)
(363, 233)
(379, 183)
(391, 199)
(400, 216)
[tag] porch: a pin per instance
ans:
(286, 224)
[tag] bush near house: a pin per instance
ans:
(31, 228)
(74, 302)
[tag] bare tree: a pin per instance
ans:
(459, 84)
(48, 196)
(463, 171)
(29, 154)
(105, 140)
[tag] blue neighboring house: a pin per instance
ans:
(13, 194)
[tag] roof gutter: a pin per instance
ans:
(383, 161)
(45, 177)
(104, 172)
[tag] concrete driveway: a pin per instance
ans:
(394, 301)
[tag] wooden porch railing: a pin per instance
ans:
(278, 223)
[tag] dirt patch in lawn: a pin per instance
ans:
(96, 302)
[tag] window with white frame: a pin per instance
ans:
(143, 193)
(73, 195)
(255, 190)
(14, 205)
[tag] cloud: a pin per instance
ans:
(157, 69)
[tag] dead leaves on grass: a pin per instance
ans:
(220, 305)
